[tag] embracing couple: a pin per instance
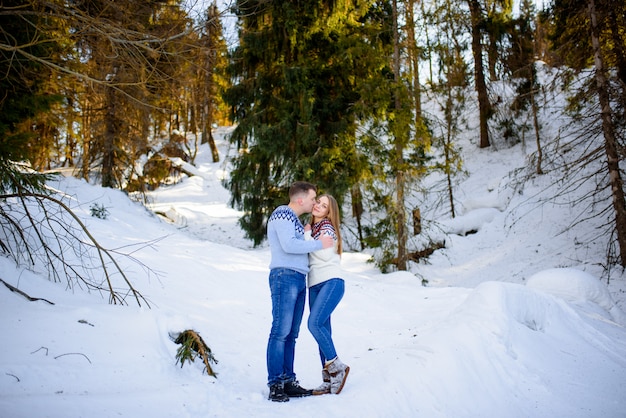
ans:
(297, 251)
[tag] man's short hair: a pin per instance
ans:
(301, 187)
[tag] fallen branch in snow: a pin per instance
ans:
(183, 167)
(192, 344)
(9, 374)
(16, 290)
(426, 252)
(78, 354)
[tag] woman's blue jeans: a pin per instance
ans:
(288, 289)
(323, 299)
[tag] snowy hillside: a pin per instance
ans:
(515, 320)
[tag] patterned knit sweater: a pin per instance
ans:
(285, 235)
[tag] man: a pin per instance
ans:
(289, 266)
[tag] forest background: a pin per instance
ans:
(328, 91)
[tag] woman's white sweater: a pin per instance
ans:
(324, 264)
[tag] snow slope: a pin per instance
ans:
(515, 320)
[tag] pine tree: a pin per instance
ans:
(583, 33)
(520, 62)
(451, 89)
(305, 73)
(484, 105)
(24, 96)
(213, 56)
(497, 23)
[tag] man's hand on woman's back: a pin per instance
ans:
(327, 241)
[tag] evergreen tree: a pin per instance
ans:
(213, 62)
(485, 110)
(497, 23)
(450, 90)
(133, 65)
(304, 73)
(404, 157)
(24, 97)
(584, 35)
(520, 62)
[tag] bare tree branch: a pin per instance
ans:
(48, 235)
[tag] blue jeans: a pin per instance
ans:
(323, 299)
(288, 289)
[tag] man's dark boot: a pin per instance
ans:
(294, 390)
(277, 393)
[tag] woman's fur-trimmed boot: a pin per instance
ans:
(338, 374)
(324, 388)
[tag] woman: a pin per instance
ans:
(326, 288)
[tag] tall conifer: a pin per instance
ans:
(304, 75)
(584, 35)
(24, 96)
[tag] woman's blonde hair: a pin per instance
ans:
(334, 218)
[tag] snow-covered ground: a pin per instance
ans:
(516, 319)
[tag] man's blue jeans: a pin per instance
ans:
(288, 289)
(323, 299)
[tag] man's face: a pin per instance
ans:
(308, 202)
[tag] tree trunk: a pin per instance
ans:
(429, 49)
(357, 211)
(447, 147)
(207, 136)
(85, 138)
(108, 147)
(413, 52)
(535, 110)
(399, 147)
(207, 119)
(484, 107)
(610, 142)
(492, 56)
(617, 29)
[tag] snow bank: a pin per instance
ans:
(575, 285)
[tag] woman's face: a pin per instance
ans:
(321, 208)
